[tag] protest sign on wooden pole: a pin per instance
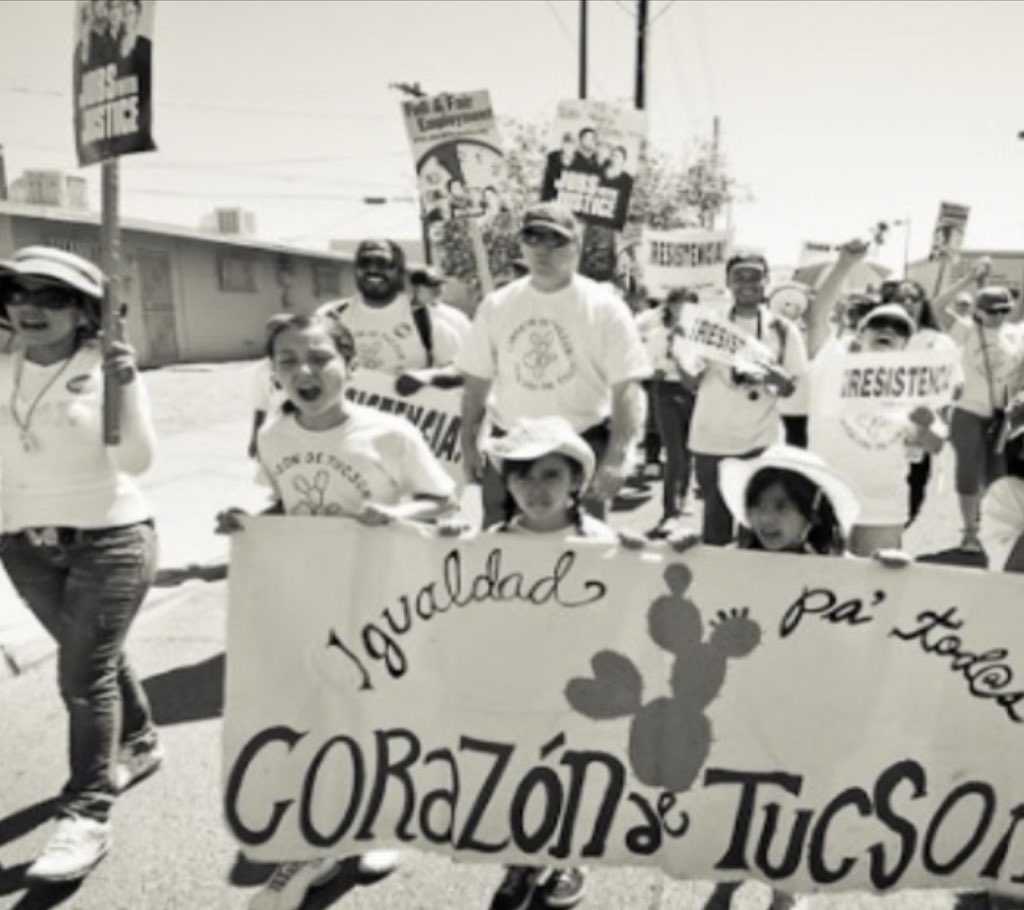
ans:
(112, 103)
(110, 257)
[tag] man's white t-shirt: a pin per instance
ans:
(553, 353)
(454, 318)
(732, 419)
(371, 457)
(386, 337)
(867, 447)
(1002, 520)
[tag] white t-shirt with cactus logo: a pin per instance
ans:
(371, 457)
(553, 353)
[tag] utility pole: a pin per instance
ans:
(583, 49)
(641, 54)
(709, 216)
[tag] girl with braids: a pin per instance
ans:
(546, 466)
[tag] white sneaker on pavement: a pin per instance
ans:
(378, 863)
(287, 887)
(72, 851)
(135, 762)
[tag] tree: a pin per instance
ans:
(666, 195)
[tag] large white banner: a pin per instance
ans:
(689, 256)
(819, 723)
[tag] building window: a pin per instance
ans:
(236, 273)
(326, 281)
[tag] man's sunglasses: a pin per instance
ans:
(882, 324)
(746, 274)
(374, 262)
(549, 240)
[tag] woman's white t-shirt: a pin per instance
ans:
(66, 476)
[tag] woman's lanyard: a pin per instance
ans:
(29, 440)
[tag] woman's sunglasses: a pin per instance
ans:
(45, 298)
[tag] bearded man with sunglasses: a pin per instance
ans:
(553, 342)
(395, 333)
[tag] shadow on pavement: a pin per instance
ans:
(188, 693)
(42, 897)
(21, 822)
(170, 578)
(955, 557)
(245, 874)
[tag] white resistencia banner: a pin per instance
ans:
(687, 257)
(820, 723)
(436, 413)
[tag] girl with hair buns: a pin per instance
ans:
(78, 539)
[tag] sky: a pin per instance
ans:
(834, 115)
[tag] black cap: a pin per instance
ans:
(427, 276)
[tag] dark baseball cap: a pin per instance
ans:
(426, 276)
(551, 216)
(385, 248)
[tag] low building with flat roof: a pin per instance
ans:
(192, 295)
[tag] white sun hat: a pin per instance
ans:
(46, 263)
(735, 474)
(534, 437)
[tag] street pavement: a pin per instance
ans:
(171, 848)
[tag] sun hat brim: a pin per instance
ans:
(735, 475)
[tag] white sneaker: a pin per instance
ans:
(287, 887)
(135, 762)
(378, 863)
(72, 851)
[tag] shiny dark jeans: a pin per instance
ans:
(86, 593)
(673, 408)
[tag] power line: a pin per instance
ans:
(570, 37)
(661, 12)
(312, 197)
(622, 6)
(204, 107)
(702, 54)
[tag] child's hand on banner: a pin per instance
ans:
(374, 515)
(631, 540)
(229, 521)
(683, 539)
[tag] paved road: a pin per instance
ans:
(171, 849)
